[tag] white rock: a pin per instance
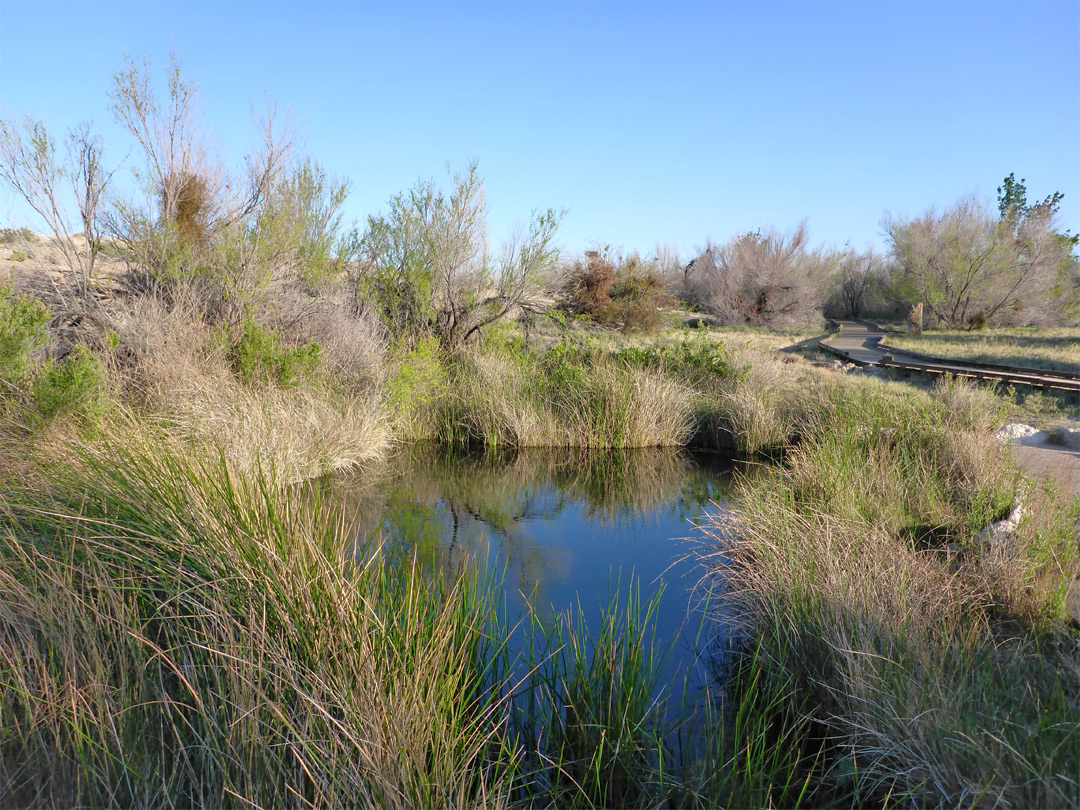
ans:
(1013, 432)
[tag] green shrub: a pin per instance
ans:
(420, 381)
(258, 356)
(23, 322)
(8, 235)
(72, 386)
(696, 361)
(19, 256)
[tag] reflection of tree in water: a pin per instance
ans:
(446, 507)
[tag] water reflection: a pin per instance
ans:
(563, 527)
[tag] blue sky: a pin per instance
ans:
(651, 124)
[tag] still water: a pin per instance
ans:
(564, 529)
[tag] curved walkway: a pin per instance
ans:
(859, 342)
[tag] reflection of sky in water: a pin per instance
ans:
(564, 528)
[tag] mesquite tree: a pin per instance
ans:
(971, 268)
(763, 279)
(424, 267)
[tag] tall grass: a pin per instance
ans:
(567, 398)
(172, 634)
(928, 664)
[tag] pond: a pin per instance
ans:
(563, 529)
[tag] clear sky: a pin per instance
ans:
(651, 124)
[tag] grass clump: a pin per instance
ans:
(571, 395)
(172, 632)
(929, 661)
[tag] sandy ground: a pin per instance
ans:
(1051, 462)
(44, 272)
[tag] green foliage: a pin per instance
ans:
(1015, 211)
(297, 233)
(19, 256)
(23, 322)
(696, 361)
(419, 382)
(424, 267)
(259, 356)
(9, 235)
(316, 201)
(69, 387)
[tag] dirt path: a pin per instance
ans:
(1044, 460)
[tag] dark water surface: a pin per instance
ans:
(566, 529)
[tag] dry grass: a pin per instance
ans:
(353, 347)
(1034, 348)
(498, 400)
(169, 363)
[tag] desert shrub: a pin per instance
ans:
(592, 280)
(259, 355)
(19, 256)
(972, 269)
(352, 345)
(424, 269)
(698, 361)
(769, 279)
(299, 231)
(10, 235)
(861, 285)
(74, 385)
(616, 290)
(23, 331)
(417, 384)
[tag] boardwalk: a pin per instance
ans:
(860, 342)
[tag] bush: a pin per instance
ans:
(72, 386)
(258, 356)
(19, 256)
(23, 322)
(420, 381)
(696, 361)
(8, 235)
(616, 290)
(760, 279)
(424, 269)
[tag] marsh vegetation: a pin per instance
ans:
(223, 583)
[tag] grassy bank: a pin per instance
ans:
(172, 635)
(182, 625)
(928, 663)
